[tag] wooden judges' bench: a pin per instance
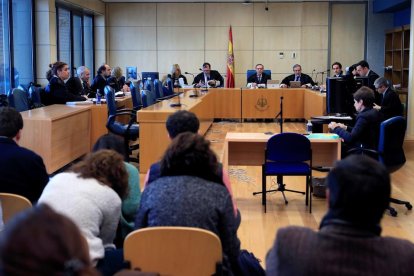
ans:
(228, 103)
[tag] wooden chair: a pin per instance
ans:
(12, 204)
(174, 251)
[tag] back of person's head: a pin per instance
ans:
(359, 191)
(190, 154)
(11, 122)
(110, 142)
(40, 241)
(381, 81)
(54, 67)
(106, 166)
(365, 94)
(182, 121)
(116, 72)
(363, 63)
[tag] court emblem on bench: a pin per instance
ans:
(261, 104)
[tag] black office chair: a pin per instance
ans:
(130, 131)
(287, 154)
(390, 151)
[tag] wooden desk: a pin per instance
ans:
(154, 139)
(58, 133)
(247, 149)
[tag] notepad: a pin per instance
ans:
(323, 136)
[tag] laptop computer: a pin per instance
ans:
(272, 83)
(294, 84)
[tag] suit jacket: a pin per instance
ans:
(99, 82)
(59, 93)
(214, 75)
(372, 76)
(304, 79)
(78, 87)
(22, 171)
(263, 80)
(338, 250)
(365, 132)
(390, 104)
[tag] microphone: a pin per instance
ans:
(200, 69)
(177, 104)
(326, 71)
(188, 73)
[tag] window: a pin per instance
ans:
(75, 38)
(16, 44)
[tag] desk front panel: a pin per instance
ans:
(314, 104)
(260, 103)
(58, 133)
(227, 103)
(154, 139)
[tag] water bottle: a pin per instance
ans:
(309, 127)
(98, 97)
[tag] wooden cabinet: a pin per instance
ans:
(397, 51)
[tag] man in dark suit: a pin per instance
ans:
(364, 71)
(365, 132)
(208, 77)
(99, 82)
(22, 171)
(337, 70)
(80, 85)
(390, 102)
(348, 241)
(259, 78)
(305, 80)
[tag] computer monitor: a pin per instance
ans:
(152, 75)
(361, 81)
(339, 97)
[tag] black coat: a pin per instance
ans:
(304, 79)
(390, 104)
(214, 75)
(254, 79)
(59, 94)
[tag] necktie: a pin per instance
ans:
(297, 78)
(259, 78)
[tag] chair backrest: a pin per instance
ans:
(147, 98)
(170, 87)
(173, 250)
(135, 95)
(251, 72)
(391, 140)
(19, 99)
(288, 147)
(110, 100)
(13, 204)
(158, 89)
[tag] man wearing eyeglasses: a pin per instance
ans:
(390, 105)
(260, 78)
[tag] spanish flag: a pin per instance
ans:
(230, 62)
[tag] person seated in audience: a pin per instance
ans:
(175, 74)
(57, 90)
(80, 85)
(40, 242)
(337, 69)
(305, 80)
(190, 193)
(208, 77)
(117, 80)
(365, 132)
(390, 102)
(22, 171)
(130, 203)
(99, 82)
(180, 122)
(348, 241)
(260, 78)
(90, 194)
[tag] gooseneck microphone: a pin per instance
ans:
(188, 73)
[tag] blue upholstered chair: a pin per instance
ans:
(170, 87)
(35, 95)
(390, 151)
(135, 95)
(19, 99)
(159, 93)
(130, 131)
(252, 72)
(287, 154)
